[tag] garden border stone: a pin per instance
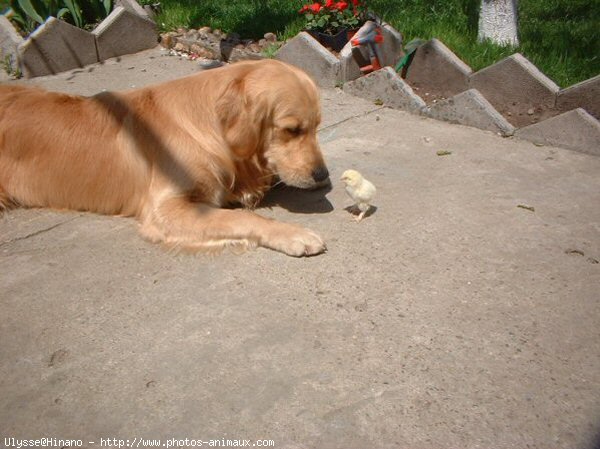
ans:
(517, 88)
(386, 86)
(134, 7)
(9, 40)
(306, 53)
(575, 130)
(327, 70)
(436, 68)
(470, 108)
(124, 32)
(585, 94)
(56, 46)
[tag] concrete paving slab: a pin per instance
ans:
(462, 313)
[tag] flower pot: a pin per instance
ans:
(334, 41)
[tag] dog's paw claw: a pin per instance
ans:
(303, 243)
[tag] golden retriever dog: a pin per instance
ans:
(173, 155)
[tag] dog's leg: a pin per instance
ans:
(180, 223)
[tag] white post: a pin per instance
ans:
(498, 22)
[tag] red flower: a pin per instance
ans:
(341, 5)
(329, 4)
(303, 9)
(355, 3)
(315, 7)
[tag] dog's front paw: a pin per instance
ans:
(300, 242)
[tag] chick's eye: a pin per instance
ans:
(294, 130)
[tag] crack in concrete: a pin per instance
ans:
(352, 117)
(36, 233)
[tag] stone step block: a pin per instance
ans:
(134, 7)
(54, 47)
(436, 69)
(308, 54)
(386, 86)
(585, 94)
(124, 32)
(9, 41)
(517, 89)
(470, 108)
(575, 130)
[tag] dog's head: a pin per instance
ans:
(271, 111)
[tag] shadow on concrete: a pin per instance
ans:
(298, 200)
(353, 210)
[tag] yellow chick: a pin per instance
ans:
(360, 190)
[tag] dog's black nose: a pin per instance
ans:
(320, 174)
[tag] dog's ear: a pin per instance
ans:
(242, 118)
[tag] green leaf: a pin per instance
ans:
(75, 12)
(28, 8)
(107, 6)
(61, 12)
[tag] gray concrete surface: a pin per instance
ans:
(454, 316)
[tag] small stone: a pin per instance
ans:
(240, 46)
(208, 64)
(262, 43)
(254, 47)
(270, 37)
(180, 46)
(530, 111)
(205, 30)
(192, 34)
(167, 40)
(217, 33)
(202, 52)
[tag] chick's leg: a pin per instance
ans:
(364, 208)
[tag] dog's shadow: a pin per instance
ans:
(298, 200)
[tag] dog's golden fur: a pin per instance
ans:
(171, 155)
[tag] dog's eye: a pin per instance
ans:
(294, 131)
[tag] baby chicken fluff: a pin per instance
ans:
(360, 190)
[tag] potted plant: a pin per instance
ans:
(333, 23)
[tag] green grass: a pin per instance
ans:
(561, 37)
